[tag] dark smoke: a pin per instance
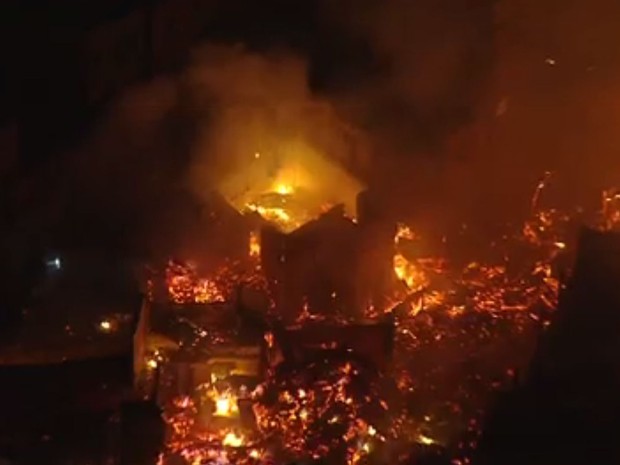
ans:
(553, 100)
(462, 105)
(146, 174)
(471, 102)
(432, 62)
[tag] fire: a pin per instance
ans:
(423, 439)
(409, 273)
(231, 439)
(277, 215)
(225, 404)
(289, 184)
(484, 308)
(279, 205)
(184, 286)
(610, 210)
(254, 244)
(283, 188)
(403, 232)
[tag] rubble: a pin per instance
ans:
(371, 347)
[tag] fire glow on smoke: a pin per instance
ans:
(282, 187)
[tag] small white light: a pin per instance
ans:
(55, 263)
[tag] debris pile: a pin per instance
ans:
(461, 332)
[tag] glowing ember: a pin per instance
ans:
(105, 326)
(478, 318)
(403, 232)
(184, 286)
(409, 273)
(610, 210)
(321, 407)
(422, 439)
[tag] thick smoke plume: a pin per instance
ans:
(432, 60)
(232, 120)
(264, 125)
(457, 110)
(553, 100)
(473, 101)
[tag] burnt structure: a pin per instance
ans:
(567, 410)
(376, 273)
(314, 266)
(370, 342)
(331, 265)
(200, 342)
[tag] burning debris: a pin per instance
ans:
(324, 407)
(328, 388)
(184, 285)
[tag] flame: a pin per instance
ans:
(406, 271)
(277, 215)
(409, 273)
(283, 188)
(254, 244)
(427, 441)
(289, 185)
(403, 232)
(232, 440)
(225, 403)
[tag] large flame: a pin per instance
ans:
(290, 188)
(225, 403)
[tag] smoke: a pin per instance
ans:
(471, 102)
(450, 109)
(265, 126)
(553, 103)
(229, 122)
(432, 60)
